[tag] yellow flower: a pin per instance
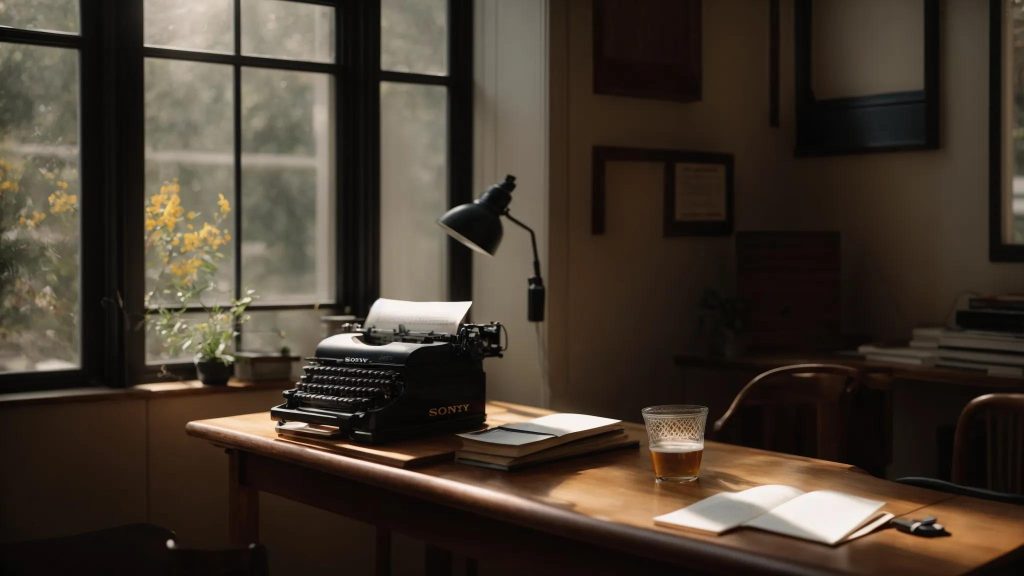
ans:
(62, 184)
(33, 220)
(223, 204)
(190, 241)
(172, 212)
(192, 215)
(150, 224)
(171, 188)
(8, 185)
(61, 202)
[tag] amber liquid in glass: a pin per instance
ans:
(677, 461)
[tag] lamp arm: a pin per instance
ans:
(533, 241)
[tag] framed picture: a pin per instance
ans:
(698, 194)
(648, 49)
(698, 189)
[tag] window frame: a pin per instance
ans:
(112, 165)
(999, 250)
(96, 310)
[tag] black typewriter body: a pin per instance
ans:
(375, 387)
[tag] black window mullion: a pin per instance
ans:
(130, 176)
(460, 138)
(237, 112)
(414, 78)
(53, 39)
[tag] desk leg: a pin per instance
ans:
(243, 504)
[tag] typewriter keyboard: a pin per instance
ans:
(346, 388)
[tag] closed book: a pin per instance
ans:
(1000, 358)
(905, 360)
(902, 351)
(972, 342)
(988, 369)
(590, 445)
(522, 438)
(994, 320)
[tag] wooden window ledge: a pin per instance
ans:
(153, 391)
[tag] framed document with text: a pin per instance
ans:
(698, 194)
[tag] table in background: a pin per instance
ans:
(593, 514)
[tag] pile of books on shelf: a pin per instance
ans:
(543, 439)
(989, 338)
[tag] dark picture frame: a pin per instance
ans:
(703, 181)
(648, 49)
(676, 164)
(874, 123)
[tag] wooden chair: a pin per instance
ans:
(818, 410)
(988, 449)
(131, 549)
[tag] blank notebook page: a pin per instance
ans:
(727, 510)
(822, 516)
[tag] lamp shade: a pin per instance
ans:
(475, 225)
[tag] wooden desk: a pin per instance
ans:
(593, 514)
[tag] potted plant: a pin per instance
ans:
(722, 320)
(183, 250)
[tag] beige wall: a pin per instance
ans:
(624, 302)
(510, 137)
(913, 224)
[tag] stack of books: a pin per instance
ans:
(543, 439)
(995, 353)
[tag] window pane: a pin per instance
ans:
(1015, 128)
(299, 330)
(204, 25)
(39, 201)
(290, 30)
(414, 190)
(189, 166)
(44, 15)
(414, 36)
(287, 186)
(157, 349)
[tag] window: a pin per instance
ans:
(40, 187)
(308, 140)
(240, 134)
(1006, 131)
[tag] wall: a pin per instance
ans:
(510, 137)
(86, 465)
(624, 302)
(913, 224)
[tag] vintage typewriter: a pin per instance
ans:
(372, 385)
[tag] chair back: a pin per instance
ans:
(988, 449)
(804, 409)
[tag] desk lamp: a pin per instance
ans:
(478, 227)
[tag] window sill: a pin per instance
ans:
(158, 390)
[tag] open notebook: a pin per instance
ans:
(821, 516)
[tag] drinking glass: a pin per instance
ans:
(676, 440)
